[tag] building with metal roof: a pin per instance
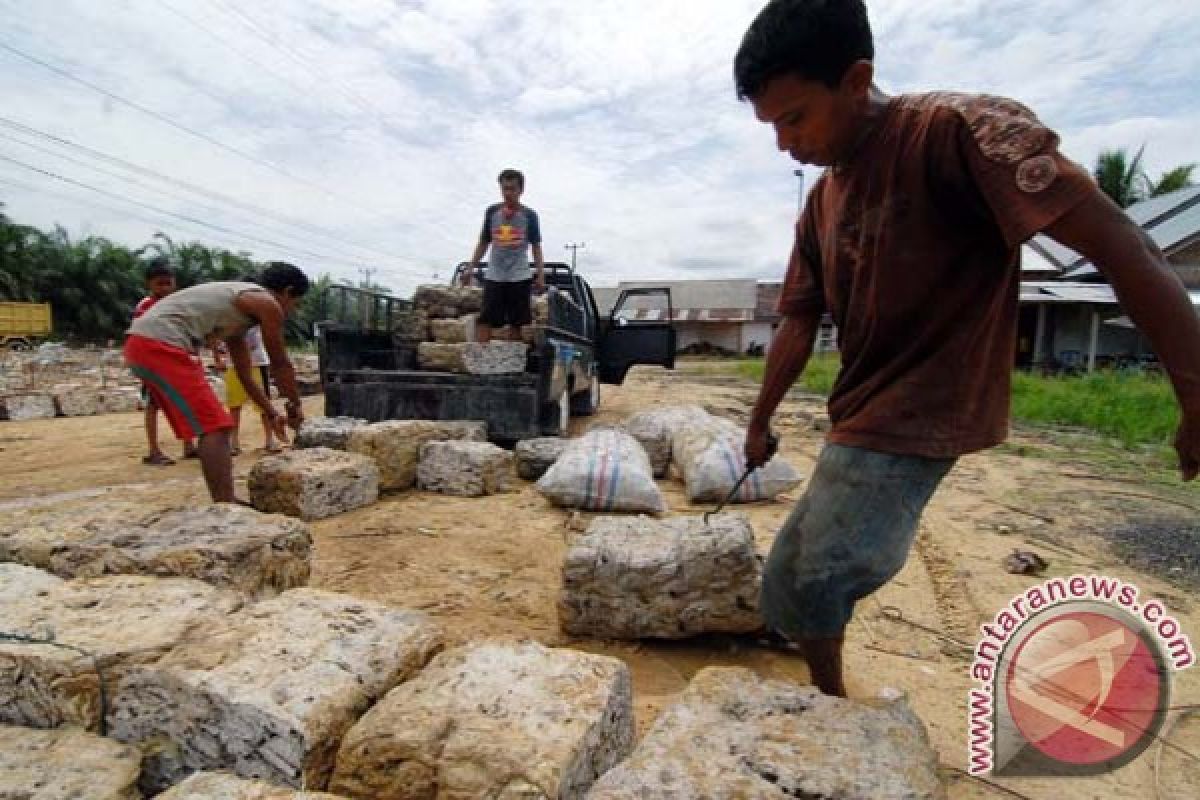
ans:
(1072, 318)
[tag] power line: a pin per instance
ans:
(184, 217)
(158, 223)
(313, 230)
(166, 120)
(300, 90)
(296, 57)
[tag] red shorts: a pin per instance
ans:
(178, 385)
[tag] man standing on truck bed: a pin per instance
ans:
(509, 229)
(911, 239)
(161, 346)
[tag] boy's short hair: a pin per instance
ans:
(279, 276)
(817, 40)
(512, 175)
(158, 267)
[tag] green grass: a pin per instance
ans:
(818, 376)
(1134, 409)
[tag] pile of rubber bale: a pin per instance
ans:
(178, 654)
(440, 330)
(56, 381)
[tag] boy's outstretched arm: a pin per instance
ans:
(790, 350)
(1152, 295)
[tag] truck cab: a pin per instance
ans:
(368, 372)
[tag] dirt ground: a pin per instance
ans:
(490, 566)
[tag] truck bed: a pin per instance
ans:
(508, 403)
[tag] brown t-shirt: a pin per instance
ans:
(914, 248)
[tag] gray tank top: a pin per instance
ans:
(187, 318)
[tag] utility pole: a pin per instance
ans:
(367, 272)
(799, 173)
(575, 248)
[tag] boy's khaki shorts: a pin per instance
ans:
(849, 535)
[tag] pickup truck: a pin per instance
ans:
(368, 371)
(22, 325)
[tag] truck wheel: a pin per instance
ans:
(585, 404)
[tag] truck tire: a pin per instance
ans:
(587, 403)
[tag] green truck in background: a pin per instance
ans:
(22, 325)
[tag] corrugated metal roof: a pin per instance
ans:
(1172, 221)
(1058, 254)
(1058, 292)
(1178, 230)
(1148, 213)
(692, 315)
(1034, 260)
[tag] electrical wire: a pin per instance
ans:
(211, 194)
(166, 120)
(229, 231)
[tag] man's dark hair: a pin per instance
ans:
(512, 175)
(817, 40)
(158, 267)
(281, 276)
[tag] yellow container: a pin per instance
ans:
(21, 324)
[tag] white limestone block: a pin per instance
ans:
(67, 764)
(411, 326)
(444, 302)
(224, 786)
(331, 432)
(270, 692)
(496, 719)
(313, 484)
(120, 400)
(638, 577)
(125, 621)
(395, 445)
(453, 331)
(435, 357)
(494, 358)
(733, 735)
(73, 400)
(535, 456)
(25, 406)
(464, 469)
(226, 545)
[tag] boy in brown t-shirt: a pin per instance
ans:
(911, 240)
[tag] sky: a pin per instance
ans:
(344, 135)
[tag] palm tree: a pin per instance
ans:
(1126, 181)
(1119, 178)
(1173, 180)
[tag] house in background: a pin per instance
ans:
(734, 316)
(1069, 313)
(1069, 316)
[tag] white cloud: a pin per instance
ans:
(621, 113)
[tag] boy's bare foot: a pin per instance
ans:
(159, 459)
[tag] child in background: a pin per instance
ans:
(160, 282)
(236, 397)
